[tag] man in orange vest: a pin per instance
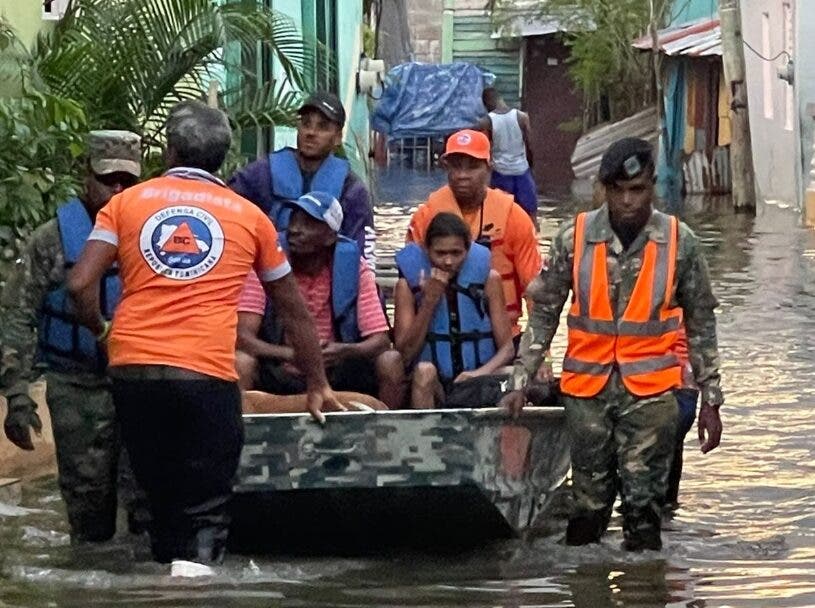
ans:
(495, 220)
(635, 275)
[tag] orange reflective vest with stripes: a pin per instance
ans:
(490, 231)
(641, 343)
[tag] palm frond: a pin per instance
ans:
(127, 62)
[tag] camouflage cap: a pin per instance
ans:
(112, 151)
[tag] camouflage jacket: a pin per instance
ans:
(691, 291)
(39, 269)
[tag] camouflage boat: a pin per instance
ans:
(395, 477)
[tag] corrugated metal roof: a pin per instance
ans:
(532, 18)
(701, 38)
(591, 145)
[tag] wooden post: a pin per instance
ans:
(741, 151)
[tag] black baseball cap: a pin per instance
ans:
(326, 104)
(625, 159)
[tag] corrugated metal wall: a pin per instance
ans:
(472, 43)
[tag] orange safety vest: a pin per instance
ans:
(491, 233)
(642, 342)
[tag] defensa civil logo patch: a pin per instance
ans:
(182, 242)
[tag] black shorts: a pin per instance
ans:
(355, 375)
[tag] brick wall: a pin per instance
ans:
(424, 17)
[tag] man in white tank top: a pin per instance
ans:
(508, 130)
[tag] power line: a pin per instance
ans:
(772, 60)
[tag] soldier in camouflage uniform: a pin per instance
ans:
(623, 439)
(78, 391)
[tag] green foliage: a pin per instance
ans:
(127, 62)
(123, 64)
(601, 33)
(138, 58)
(40, 161)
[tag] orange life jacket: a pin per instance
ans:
(490, 232)
(642, 342)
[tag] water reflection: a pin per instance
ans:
(744, 535)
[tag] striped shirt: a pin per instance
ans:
(316, 291)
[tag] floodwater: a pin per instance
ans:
(744, 534)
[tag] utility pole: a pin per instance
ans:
(741, 150)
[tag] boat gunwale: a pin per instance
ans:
(488, 412)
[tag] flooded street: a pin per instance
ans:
(744, 534)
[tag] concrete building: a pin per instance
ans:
(28, 18)
(336, 26)
(780, 62)
(424, 19)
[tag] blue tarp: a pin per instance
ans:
(428, 100)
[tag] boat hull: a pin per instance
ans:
(396, 476)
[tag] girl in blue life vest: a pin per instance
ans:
(450, 314)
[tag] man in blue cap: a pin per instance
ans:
(636, 274)
(340, 293)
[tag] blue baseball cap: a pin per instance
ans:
(321, 206)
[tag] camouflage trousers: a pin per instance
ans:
(621, 442)
(94, 472)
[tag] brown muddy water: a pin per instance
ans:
(744, 534)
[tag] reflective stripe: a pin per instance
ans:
(623, 328)
(585, 266)
(661, 270)
(646, 366)
(606, 328)
(577, 366)
(273, 274)
(106, 236)
(648, 328)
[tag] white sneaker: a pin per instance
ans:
(186, 569)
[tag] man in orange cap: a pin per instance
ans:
(495, 220)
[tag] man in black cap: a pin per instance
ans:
(289, 173)
(635, 274)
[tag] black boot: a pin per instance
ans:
(209, 545)
(642, 531)
(583, 530)
(672, 495)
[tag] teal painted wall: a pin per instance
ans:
(501, 56)
(349, 19)
(691, 10)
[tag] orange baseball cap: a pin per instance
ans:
(469, 142)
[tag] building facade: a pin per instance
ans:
(780, 63)
(335, 29)
(768, 28)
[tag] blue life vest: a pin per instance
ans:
(455, 342)
(63, 343)
(288, 183)
(344, 295)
